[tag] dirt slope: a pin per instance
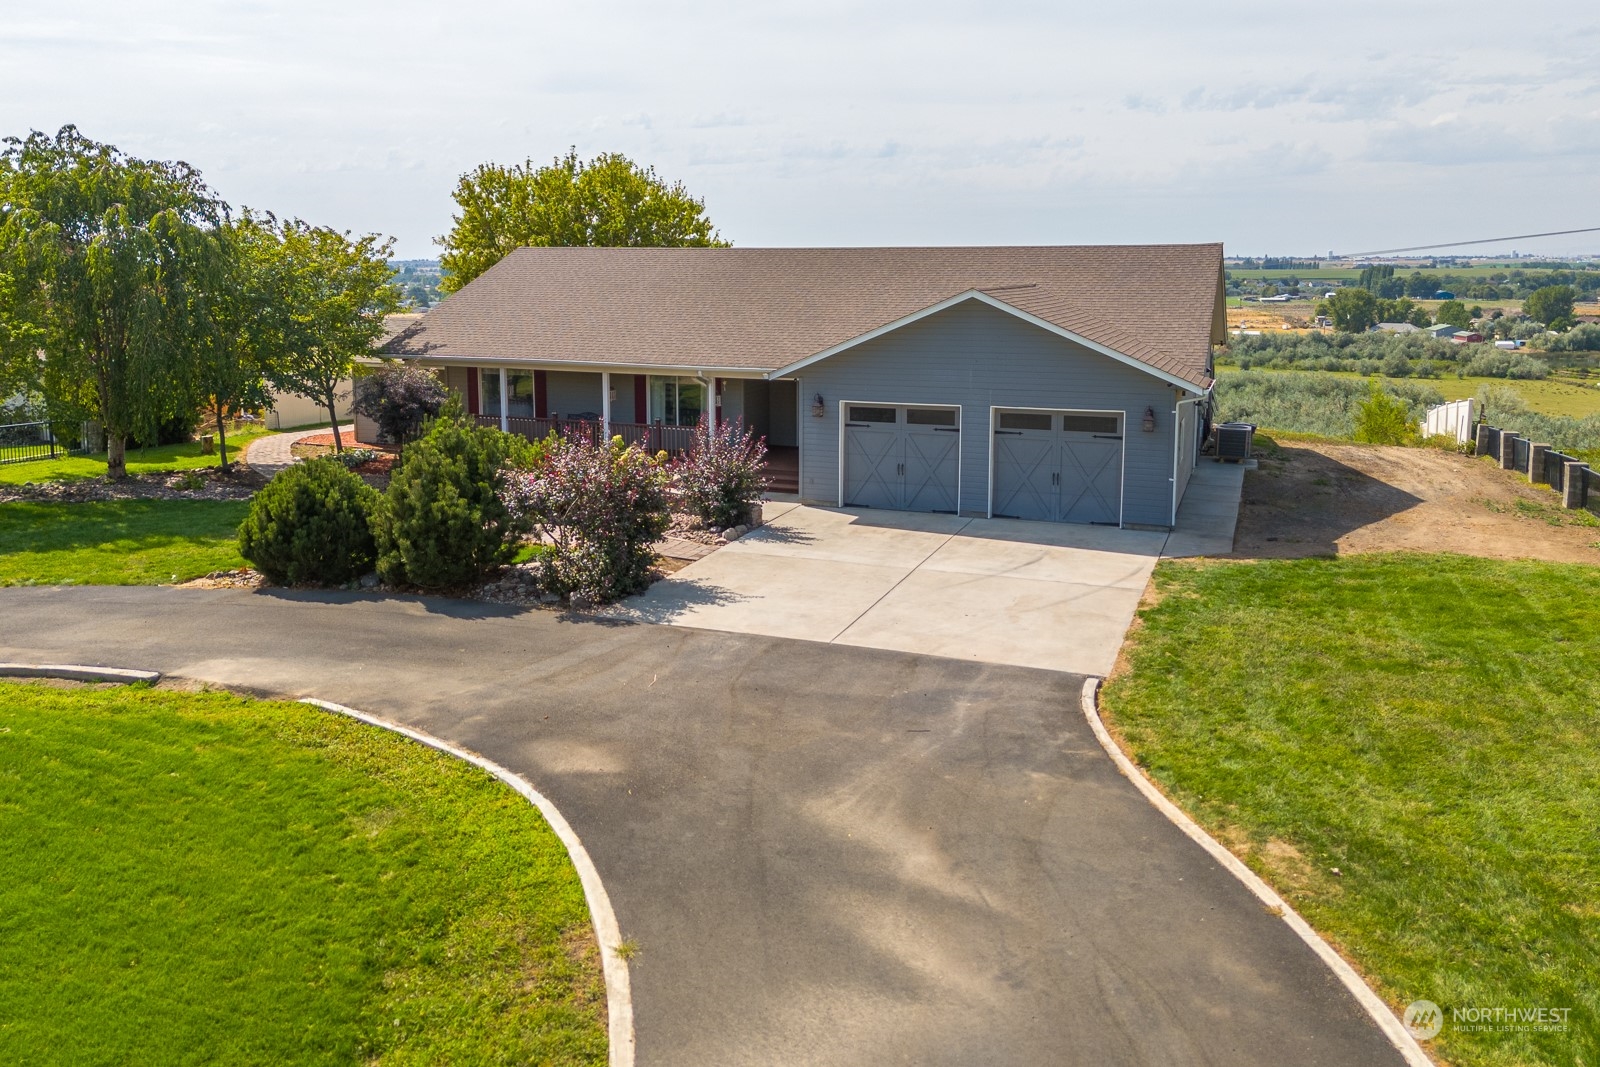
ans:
(1310, 499)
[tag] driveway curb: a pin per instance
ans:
(619, 990)
(1385, 1019)
(76, 672)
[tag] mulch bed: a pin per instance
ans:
(238, 483)
(376, 471)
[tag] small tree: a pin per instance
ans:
(399, 397)
(1551, 305)
(1352, 310)
(1454, 313)
(1383, 419)
(312, 523)
(601, 507)
(330, 293)
(722, 475)
(443, 523)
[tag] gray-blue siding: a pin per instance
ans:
(979, 357)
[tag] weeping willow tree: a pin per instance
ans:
(115, 263)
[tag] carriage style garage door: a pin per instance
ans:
(1059, 466)
(905, 458)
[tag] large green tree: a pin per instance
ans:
(109, 255)
(1551, 305)
(1352, 310)
(608, 201)
(325, 297)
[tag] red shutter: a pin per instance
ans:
(541, 395)
(641, 405)
(473, 404)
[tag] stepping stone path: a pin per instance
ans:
(271, 454)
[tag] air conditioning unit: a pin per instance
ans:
(1235, 440)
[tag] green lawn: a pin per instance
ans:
(201, 878)
(1429, 726)
(140, 461)
(121, 542)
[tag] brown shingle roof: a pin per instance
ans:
(762, 309)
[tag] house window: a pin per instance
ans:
(519, 386)
(676, 401)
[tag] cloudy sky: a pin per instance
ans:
(1349, 126)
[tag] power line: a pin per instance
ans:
(1457, 244)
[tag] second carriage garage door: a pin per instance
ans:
(905, 458)
(1059, 466)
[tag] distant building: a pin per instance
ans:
(1467, 338)
(1444, 294)
(1440, 331)
(1395, 327)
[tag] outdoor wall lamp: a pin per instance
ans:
(1149, 420)
(818, 408)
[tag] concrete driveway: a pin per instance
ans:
(1028, 594)
(828, 854)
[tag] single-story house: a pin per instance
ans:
(1395, 327)
(1031, 382)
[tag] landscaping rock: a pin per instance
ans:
(731, 534)
(369, 580)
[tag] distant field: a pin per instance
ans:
(1351, 273)
(1549, 397)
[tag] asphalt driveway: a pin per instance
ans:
(828, 854)
(1028, 594)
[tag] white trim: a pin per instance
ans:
(897, 405)
(505, 400)
(1122, 422)
(574, 367)
(1379, 1012)
(1176, 423)
(605, 405)
(985, 298)
(619, 985)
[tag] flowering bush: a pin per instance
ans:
(721, 476)
(600, 507)
(398, 397)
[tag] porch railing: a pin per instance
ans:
(652, 438)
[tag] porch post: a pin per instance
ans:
(605, 405)
(505, 403)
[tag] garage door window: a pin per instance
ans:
(1024, 420)
(930, 417)
(863, 414)
(1089, 423)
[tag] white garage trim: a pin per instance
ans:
(843, 454)
(1122, 421)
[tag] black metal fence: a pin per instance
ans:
(23, 441)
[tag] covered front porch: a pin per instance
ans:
(658, 412)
